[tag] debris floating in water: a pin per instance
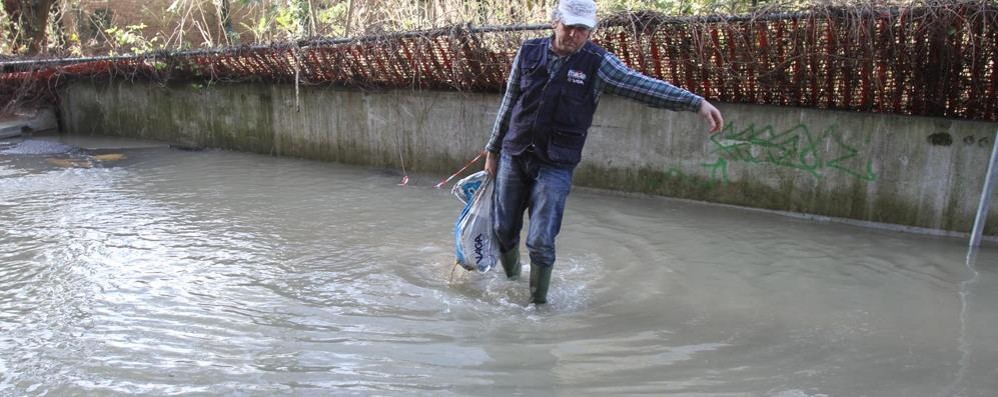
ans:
(71, 163)
(109, 157)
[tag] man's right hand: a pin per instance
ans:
(491, 163)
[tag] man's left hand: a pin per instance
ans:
(712, 115)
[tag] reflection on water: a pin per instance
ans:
(219, 273)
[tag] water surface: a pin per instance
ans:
(218, 273)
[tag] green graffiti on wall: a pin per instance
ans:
(819, 155)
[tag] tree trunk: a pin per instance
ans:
(28, 23)
(301, 12)
(225, 20)
(346, 27)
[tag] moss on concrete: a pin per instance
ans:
(848, 202)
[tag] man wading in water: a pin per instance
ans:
(537, 140)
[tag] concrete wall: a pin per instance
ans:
(913, 171)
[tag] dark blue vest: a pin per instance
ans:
(553, 115)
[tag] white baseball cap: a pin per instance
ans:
(578, 12)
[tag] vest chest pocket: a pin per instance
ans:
(573, 109)
(532, 72)
(530, 76)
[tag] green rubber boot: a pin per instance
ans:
(540, 277)
(511, 263)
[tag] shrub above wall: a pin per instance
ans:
(926, 61)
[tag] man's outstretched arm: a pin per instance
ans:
(626, 82)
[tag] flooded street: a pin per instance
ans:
(168, 272)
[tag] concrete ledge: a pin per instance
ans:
(26, 122)
(810, 217)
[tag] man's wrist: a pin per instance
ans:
(695, 104)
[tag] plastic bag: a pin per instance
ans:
(475, 240)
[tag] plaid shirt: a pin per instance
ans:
(613, 76)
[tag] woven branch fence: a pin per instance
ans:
(928, 61)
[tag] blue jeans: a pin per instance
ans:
(523, 183)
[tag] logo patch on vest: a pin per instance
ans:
(576, 77)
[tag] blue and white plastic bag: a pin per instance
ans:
(475, 240)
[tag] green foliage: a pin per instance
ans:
(6, 43)
(130, 40)
(663, 6)
(334, 16)
(698, 7)
(259, 28)
(284, 18)
(277, 21)
(302, 14)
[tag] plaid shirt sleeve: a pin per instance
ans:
(619, 79)
(506, 108)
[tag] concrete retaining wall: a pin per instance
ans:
(913, 171)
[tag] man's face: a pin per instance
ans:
(568, 39)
